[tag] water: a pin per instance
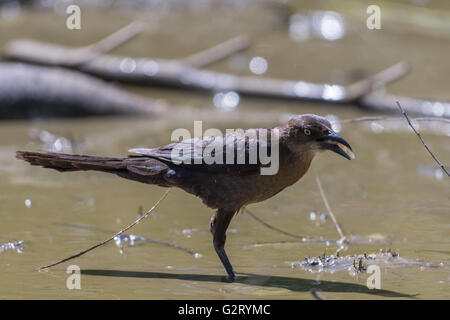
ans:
(390, 192)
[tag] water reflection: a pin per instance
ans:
(333, 92)
(127, 65)
(16, 245)
(328, 25)
(431, 172)
(54, 143)
(133, 240)
(226, 101)
(258, 65)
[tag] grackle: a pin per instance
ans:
(226, 186)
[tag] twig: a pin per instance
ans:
(272, 227)
(327, 205)
(115, 40)
(382, 118)
(218, 52)
(423, 142)
(376, 81)
(55, 55)
(111, 238)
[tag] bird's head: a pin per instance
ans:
(311, 133)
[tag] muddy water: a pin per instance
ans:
(390, 192)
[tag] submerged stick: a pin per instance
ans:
(111, 238)
(327, 205)
(421, 139)
(272, 227)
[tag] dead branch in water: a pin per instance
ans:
(55, 55)
(286, 233)
(111, 238)
(343, 239)
(218, 52)
(382, 102)
(186, 73)
(421, 139)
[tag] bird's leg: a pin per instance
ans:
(218, 227)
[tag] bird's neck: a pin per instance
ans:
(293, 166)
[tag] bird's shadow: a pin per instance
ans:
(293, 284)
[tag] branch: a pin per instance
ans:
(55, 55)
(272, 227)
(186, 73)
(327, 205)
(111, 238)
(218, 52)
(423, 142)
(386, 103)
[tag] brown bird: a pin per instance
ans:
(223, 185)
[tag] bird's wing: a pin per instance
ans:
(235, 152)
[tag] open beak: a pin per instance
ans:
(335, 143)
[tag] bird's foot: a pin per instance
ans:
(230, 278)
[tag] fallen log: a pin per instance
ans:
(384, 103)
(28, 91)
(186, 73)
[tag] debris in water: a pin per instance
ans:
(133, 240)
(358, 263)
(17, 245)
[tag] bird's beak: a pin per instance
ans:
(336, 143)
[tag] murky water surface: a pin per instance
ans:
(391, 192)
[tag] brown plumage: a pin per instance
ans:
(221, 185)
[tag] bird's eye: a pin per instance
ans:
(307, 132)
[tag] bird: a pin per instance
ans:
(224, 186)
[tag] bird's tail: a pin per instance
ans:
(69, 162)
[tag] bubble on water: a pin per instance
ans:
(312, 216)
(197, 255)
(28, 203)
